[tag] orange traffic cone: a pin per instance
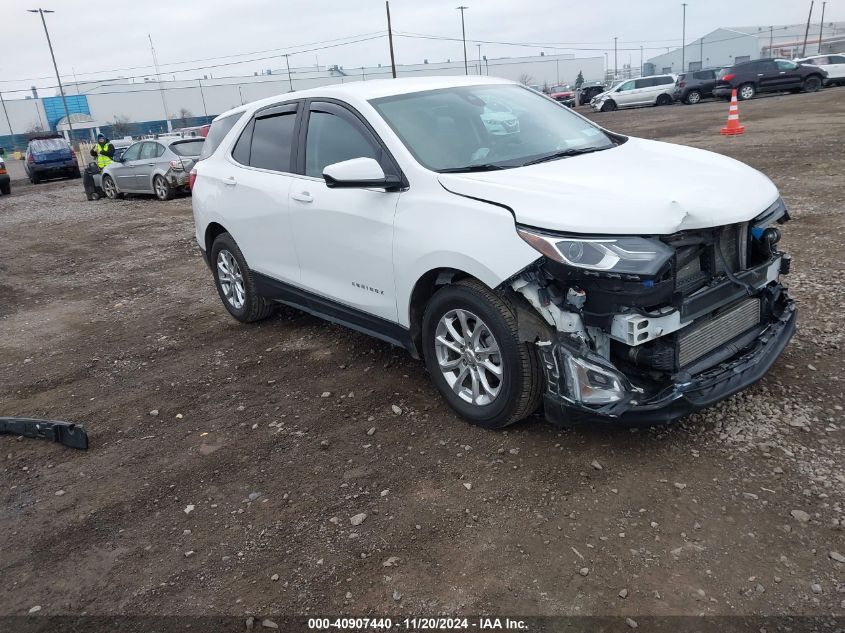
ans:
(733, 127)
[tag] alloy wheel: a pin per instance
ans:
(694, 97)
(231, 279)
(109, 188)
(469, 357)
(161, 188)
(746, 92)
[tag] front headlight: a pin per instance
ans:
(630, 255)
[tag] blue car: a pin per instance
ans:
(50, 157)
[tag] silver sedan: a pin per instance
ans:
(157, 166)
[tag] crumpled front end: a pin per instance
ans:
(643, 330)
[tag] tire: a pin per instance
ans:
(34, 179)
(239, 296)
(162, 188)
(811, 84)
(6, 189)
(76, 174)
(608, 106)
(663, 100)
(746, 92)
(110, 188)
(693, 97)
(464, 307)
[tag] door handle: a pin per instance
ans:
(230, 180)
(302, 197)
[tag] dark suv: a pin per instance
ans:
(692, 87)
(767, 75)
(49, 157)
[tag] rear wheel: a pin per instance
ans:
(76, 173)
(235, 284)
(746, 92)
(162, 188)
(6, 189)
(693, 97)
(608, 106)
(812, 84)
(475, 357)
(663, 100)
(34, 179)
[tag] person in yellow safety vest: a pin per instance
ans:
(103, 151)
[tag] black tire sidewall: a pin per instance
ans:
(106, 190)
(225, 241)
(608, 106)
(496, 414)
(812, 84)
(169, 194)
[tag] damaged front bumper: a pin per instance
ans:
(751, 355)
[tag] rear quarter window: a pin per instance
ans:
(187, 148)
(218, 131)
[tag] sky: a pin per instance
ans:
(103, 40)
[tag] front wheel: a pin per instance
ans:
(812, 84)
(746, 92)
(608, 106)
(693, 97)
(475, 358)
(235, 284)
(110, 188)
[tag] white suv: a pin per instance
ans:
(509, 262)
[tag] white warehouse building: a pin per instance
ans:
(730, 45)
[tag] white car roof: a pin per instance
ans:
(366, 90)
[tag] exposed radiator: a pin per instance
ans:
(704, 338)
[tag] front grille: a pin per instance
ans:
(705, 338)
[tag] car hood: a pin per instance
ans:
(639, 187)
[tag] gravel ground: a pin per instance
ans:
(297, 467)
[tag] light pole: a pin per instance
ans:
(479, 59)
(683, 36)
(41, 12)
(615, 62)
(464, 37)
(390, 39)
(487, 65)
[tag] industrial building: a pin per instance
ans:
(123, 106)
(730, 45)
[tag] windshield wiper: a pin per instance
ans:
(470, 168)
(565, 154)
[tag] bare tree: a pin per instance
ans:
(525, 79)
(121, 126)
(181, 119)
(36, 129)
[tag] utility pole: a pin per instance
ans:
(641, 61)
(684, 37)
(287, 63)
(807, 30)
(615, 62)
(41, 12)
(160, 87)
(480, 70)
(464, 36)
(821, 29)
(771, 40)
(487, 65)
(390, 39)
(202, 94)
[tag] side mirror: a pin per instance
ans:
(359, 173)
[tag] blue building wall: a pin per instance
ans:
(54, 108)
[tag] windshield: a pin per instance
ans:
(49, 145)
(452, 128)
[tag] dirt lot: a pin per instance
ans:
(221, 481)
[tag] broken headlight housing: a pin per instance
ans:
(625, 255)
(589, 383)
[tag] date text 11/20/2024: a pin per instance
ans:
(417, 624)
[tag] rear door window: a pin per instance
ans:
(272, 141)
(837, 59)
(662, 81)
(151, 150)
(217, 132)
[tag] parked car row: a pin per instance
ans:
(654, 90)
